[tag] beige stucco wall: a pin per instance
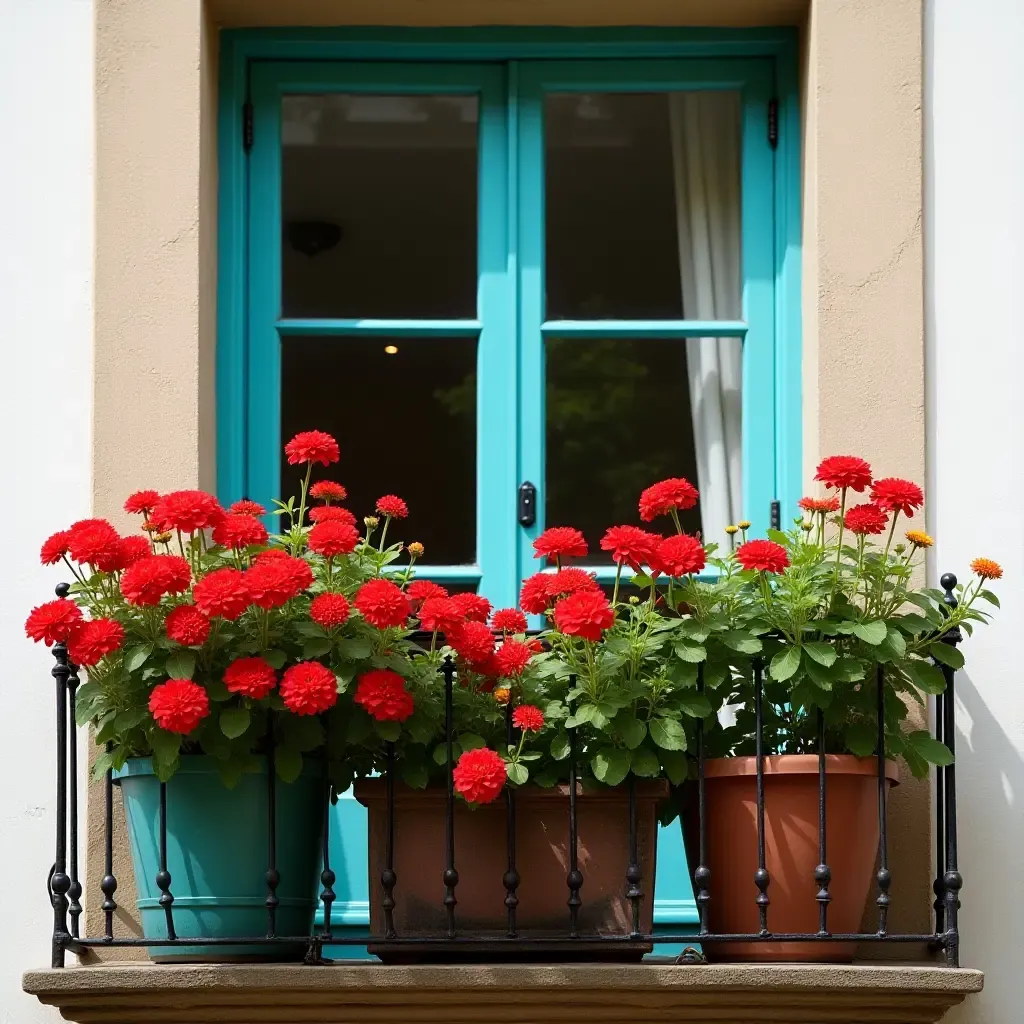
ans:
(862, 263)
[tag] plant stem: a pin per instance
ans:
(839, 549)
(615, 590)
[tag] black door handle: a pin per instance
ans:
(527, 504)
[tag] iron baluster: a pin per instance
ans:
(574, 879)
(952, 879)
(938, 885)
(60, 883)
(511, 877)
(75, 891)
(884, 878)
(702, 876)
(822, 873)
(451, 876)
(163, 876)
(761, 877)
(634, 893)
(108, 886)
(273, 877)
(388, 878)
(327, 877)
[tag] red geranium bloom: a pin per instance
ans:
(239, 532)
(819, 504)
(96, 542)
(130, 550)
(587, 614)
(384, 696)
(53, 622)
(631, 545)
(512, 658)
(91, 641)
(55, 547)
(866, 518)
(328, 490)
(661, 498)
(270, 555)
(528, 718)
(275, 581)
(332, 539)
(897, 495)
(332, 514)
(535, 644)
(309, 688)
(440, 614)
(560, 542)
(509, 620)
(141, 502)
(762, 556)
(844, 471)
(145, 582)
(187, 511)
(382, 604)
(570, 581)
(188, 626)
(681, 555)
(479, 776)
(329, 610)
(987, 569)
(419, 590)
(245, 507)
(224, 593)
(473, 642)
(312, 446)
(392, 505)
(179, 705)
(472, 606)
(534, 598)
(252, 677)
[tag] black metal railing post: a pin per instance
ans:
(273, 876)
(702, 875)
(327, 876)
(163, 876)
(634, 875)
(952, 879)
(574, 878)
(451, 876)
(822, 873)
(388, 877)
(60, 883)
(883, 877)
(75, 891)
(761, 876)
(511, 877)
(108, 884)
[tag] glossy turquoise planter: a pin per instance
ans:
(217, 847)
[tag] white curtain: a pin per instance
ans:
(705, 131)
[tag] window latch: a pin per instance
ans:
(527, 504)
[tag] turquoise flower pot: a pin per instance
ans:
(217, 857)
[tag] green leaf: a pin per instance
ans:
(287, 763)
(695, 705)
(667, 733)
(693, 630)
(645, 762)
(276, 659)
(925, 745)
(630, 729)
(560, 746)
(824, 654)
(610, 765)
(518, 773)
(546, 778)
(785, 664)
(818, 674)
(355, 650)
(676, 766)
(217, 691)
(441, 753)
(895, 643)
(471, 741)
(102, 765)
(912, 623)
(587, 713)
(642, 581)
(987, 595)
(388, 731)
(415, 775)
(742, 642)
(303, 732)
(778, 536)
(315, 648)
(135, 657)
(165, 753)
(860, 739)
(870, 632)
(925, 676)
(181, 665)
(690, 652)
(234, 722)
(947, 654)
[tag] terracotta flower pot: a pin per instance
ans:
(791, 850)
(542, 860)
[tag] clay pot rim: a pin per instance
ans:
(799, 764)
(646, 789)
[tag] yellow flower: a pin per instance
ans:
(732, 529)
(501, 694)
(416, 549)
(987, 569)
(371, 522)
(150, 527)
(162, 538)
(806, 527)
(919, 538)
(745, 525)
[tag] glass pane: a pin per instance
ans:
(619, 419)
(643, 206)
(379, 201)
(406, 423)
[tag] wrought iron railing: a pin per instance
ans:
(66, 890)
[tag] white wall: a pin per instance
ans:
(46, 114)
(975, 232)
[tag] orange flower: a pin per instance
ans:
(987, 569)
(919, 538)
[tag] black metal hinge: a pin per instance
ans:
(776, 515)
(247, 126)
(773, 122)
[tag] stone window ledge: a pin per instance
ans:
(521, 994)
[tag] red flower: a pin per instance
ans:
(819, 504)
(239, 532)
(512, 658)
(587, 614)
(560, 542)
(329, 610)
(187, 511)
(55, 547)
(440, 614)
(509, 620)
(332, 514)
(631, 545)
(273, 582)
(141, 502)
(130, 550)
(681, 555)
(844, 471)
(224, 592)
(987, 569)
(145, 582)
(535, 644)
(333, 539)
(382, 604)
(328, 490)
(312, 446)
(91, 641)
(178, 705)
(251, 677)
(270, 555)
(528, 718)
(420, 590)
(245, 507)
(392, 505)
(897, 495)
(309, 688)
(95, 541)
(866, 518)
(472, 606)
(53, 622)
(570, 581)
(188, 626)
(661, 498)
(384, 696)
(479, 776)
(762, 556)
(472, 642)
(533, 598)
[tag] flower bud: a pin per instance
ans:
(732, 529)
(371, 522)
(744, 525)
(501, 694)
(416, 549)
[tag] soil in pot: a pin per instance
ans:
(217, 857)
(791, 850)
(542, 861)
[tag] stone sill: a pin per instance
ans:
(503, 994)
